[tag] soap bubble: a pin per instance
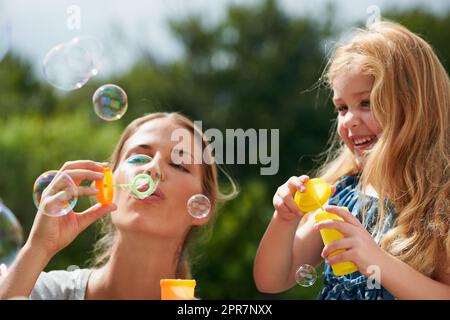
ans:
(72, 267)
(68, 66)
(93, 47)
(60, 191)
(143, 186)
(110, 102)
(10, 235)
(306, 275)
(199, 206)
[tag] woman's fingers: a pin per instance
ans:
(87, 191)
(83, 174)
(84, 164)
(94, 213)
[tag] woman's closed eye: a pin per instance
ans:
(139, 158)
(179, 167)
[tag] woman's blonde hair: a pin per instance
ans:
(409, 165)
(210, 188)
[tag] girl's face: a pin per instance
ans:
(165, 211)
(356, 125)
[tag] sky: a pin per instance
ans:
(30, 28)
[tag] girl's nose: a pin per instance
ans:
(351, 120)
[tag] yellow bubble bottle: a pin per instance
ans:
(177, 289)
(318, 191)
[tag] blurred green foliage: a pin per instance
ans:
(258, 68)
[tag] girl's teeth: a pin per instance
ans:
(363, 140)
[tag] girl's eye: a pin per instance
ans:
(139, 158)
(341, 109)
(365, 103)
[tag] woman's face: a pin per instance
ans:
(356, 125)
(165, 211)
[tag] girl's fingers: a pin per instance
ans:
(288, 200)
(341, 257)
(344, 243)
(343, 213)
(294, 184)
(343, 227)
(303, 179)
(333, 189)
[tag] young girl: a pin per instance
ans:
(392, 171)
(147, 239)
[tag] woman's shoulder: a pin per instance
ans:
(61, 285)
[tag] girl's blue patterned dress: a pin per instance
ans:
(356, 286)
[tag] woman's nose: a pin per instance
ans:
(153, 168)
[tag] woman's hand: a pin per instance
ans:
(283, 200)
(362, 250)
(54, 233)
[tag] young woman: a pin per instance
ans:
(146, 240)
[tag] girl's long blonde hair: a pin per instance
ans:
(210, 188)
(409, 165)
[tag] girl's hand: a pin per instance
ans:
(54, 233)
(362, 250)
(283, 200)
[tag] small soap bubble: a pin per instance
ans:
(68, 66)
(60, 192)
(72, 268)
(306, 275)
(143, 186)
(11, 236)
(199, 206)
(110, 102)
